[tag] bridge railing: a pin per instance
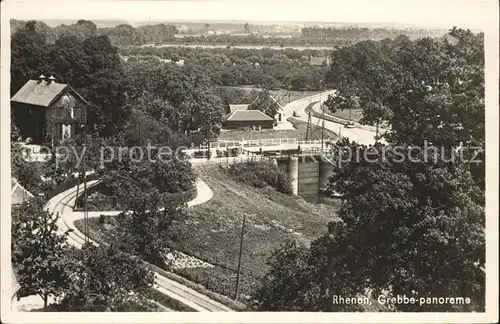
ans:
(249, 143)
(310, 142)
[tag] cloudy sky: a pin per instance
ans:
(473, 14)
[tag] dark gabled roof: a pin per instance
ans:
(248, 115)
(42, 93)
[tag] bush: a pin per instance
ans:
(261, 174)
(222, 281)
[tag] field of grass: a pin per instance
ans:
(199, 279)
(212, 230)
(299, 133)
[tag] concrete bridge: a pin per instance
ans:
(308, 174)
(306, 162)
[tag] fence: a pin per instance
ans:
(249, 143)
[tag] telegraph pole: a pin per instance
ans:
(322, 117)
(308, 128)
(85, 213)
(239, 257)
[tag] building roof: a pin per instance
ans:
(18, 193)
(248, 115)
(238, 107)
(39, 93)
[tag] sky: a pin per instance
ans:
(474, 14)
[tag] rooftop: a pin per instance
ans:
(247, 115)
(39, 93)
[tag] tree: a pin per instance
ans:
(105, 86)
(154, 194)
(427, 90)
(82, 29)
(90, 65)
(16, 158)
(93, 68)
(29, 175)
(39, 251)
(413, 228)
(184, 96)
(265, 103)
(282, 291)
(144, 127)
(420, 88)
(29, 51)
(105, 279)
(147, 229)
(363, 73)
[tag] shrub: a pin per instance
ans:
(221, 281)
(261, 174)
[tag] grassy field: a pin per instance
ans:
(212, 230)
(299, 133)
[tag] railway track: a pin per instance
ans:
(63, 203)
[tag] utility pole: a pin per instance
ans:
(78, 187)
(322, 118)
(79, 177)
(85, 213)
(308, 128)
(239, 257)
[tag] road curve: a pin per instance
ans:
(359, 135)
(63, 203)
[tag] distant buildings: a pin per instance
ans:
(248, 119)
(47, 111)
(242, 117)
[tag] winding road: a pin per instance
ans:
(63, 203)
(362, 136)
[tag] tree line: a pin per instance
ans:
(163, 103)
(273, 69)
(129, 105)
(127, 35)
(355, 34)
(413, 227)
(122, 34)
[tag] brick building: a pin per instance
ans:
(47, 111)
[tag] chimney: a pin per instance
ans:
(52, 79)
(41, 78)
